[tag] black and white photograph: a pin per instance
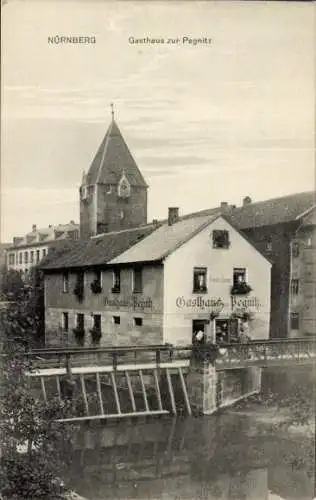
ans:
(158, 250)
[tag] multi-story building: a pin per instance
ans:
(29, 250)
(302, 310)
(159, 284)
(272, 225)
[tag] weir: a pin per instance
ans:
(127, 382)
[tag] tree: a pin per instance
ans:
(12, 286)
(31, 460)
(25, 310)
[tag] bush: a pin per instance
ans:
(31, 458)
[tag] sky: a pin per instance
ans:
(205, 123)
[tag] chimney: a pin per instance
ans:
(34, 228)
(224, 206)
(72, 222)
(155, 222)
(246, 201)
(17, 240)
(173, 215)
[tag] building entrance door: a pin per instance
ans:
(198, 325)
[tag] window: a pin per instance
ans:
(97, 322)
(295, 321)
(80, 321)
(239, 275)
(116, 281)
(44, 252)
(138, 280)
(32, 256)
(220, 239)
(65, 282)
(65, 322)
(96, 285)
(116, 320)
(26, 257)
(138, 321)
(295, 286)
(199, 279)
(269, 246)
(102, 228)
(37, 255)
(309, 242)
(295, 249)
(11, 259)
(20, 257)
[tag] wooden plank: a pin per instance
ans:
(143, 389)
(58, 387)
(116, 395)
(172, 399)
(43, 389)
(99, 392)
(170, 438)
(151, 413)
(185, 392)
(84, 393)
(158, 394)
(130, 390)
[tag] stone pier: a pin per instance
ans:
(210, 390)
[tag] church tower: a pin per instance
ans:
(113, 194)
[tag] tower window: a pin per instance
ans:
(138, 321)
(116, 320)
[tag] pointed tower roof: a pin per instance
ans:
(112, 159)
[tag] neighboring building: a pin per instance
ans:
(272, 225)
(113, 194)
(29, 250)
(302, 311)
(159, 284)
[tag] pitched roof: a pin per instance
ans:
(47, 234)
(166, 239)
(112, 158)
(96, 251)
(268, 212)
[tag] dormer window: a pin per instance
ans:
(124, 188)
(220, 239)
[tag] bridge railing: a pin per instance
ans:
(236, 354)
(268, 352)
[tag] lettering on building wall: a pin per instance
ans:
(131, 302)
(200, 301)
(251, 303)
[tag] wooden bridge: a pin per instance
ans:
(152, 378)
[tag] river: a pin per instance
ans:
(236, 455)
